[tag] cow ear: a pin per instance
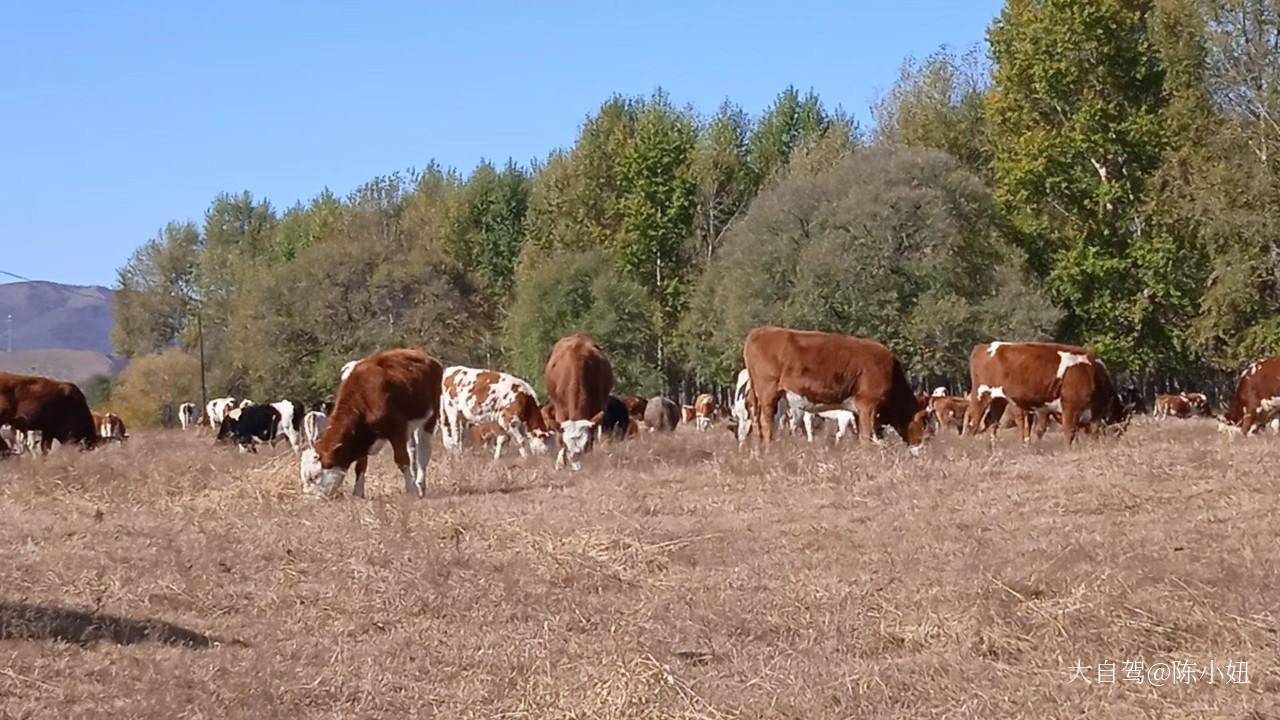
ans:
(597, 418)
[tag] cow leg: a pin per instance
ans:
(766, 411)
(1246, 424)
(866, 419)
(808, 426)
(362, 466)
(1070, 421)
(421, 446)
(500, 442)
(1024, 426)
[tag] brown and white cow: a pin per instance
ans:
(1037, 377)
(948, 410)
(1199, 403)
(470, 396)
(57, 410)
(579, 379)
(1257, 398)
(110, 427)
(1182, 405)
(688, 413)
(821, 371)
(705, 408)
(389, 397)
(635, 406)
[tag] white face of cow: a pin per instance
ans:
(316, 480)
(577, 435)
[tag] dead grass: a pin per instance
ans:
(673, 577)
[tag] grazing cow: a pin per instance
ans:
(661, 414)
(470, 396)
(312, 425)
(216, 410)
(705, 408)
(110, 427)
(688, 413)
(291, 414)
(187, 415)
(1256, 400)
(251, 425)
(1178, 406)
(824, 371)
(579, 379)
(1199, 403)
(616, 422)
(391, 397)
(948, 410)
(635, 406)
(57, 410)
(1036, 377)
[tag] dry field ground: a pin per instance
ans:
(672, 578)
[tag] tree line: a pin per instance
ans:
(1106, 173)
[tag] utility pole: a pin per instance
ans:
(204, 399)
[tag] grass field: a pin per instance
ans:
(672, 577)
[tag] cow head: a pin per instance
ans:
(918, 430)
(317, 480)
(577, 435)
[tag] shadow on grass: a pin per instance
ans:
(24, 621)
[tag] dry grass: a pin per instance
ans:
(673, 577)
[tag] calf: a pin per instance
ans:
(616, 422)
(187, 415)
(250, 425)
(389, 397)
(56, 410)
(949, 410)
(291, 414)
(579, 379)
(688, 413)
(705, 408)
(844, 419)
(635, 406)
(470, 396)
(742, 412)
(826, 371)
(111, 428)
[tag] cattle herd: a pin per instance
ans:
(792, 380)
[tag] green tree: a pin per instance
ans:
(155, 290)
(583, 292)
(150, 382)
(492, 232)
(725, 181)
(790, 123)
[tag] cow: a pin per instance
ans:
(471, 396)
(823, 371)
(216, 410)
(312, 425)
(688, 413)
(291, 414)
(635, 406)
(248, 426)
(55, 409)
(111, 427)
(391, 397)
(1178, 406)
(579, 379)
(743, 410)
(616, 421)
(1199, 403)
(1256, 399)
(844, 419)
(705, 408)
(187, 415)
(948, 410)
(661, 414)
(13, 441)
(1048, 377)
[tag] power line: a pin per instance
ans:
(61, 286)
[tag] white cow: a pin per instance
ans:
(312, 425)
(470, 396)
(187, 415)
(216, 410)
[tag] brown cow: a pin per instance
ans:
(705, 408)
(1256, 399)
(57, 410)
(817, 371)
(1040, 377)
(1199, 403)
(110, 427)
(579, 379)
(949, 410)
(1179, 406)
(389, 397)
(661, 414)
(635, 406)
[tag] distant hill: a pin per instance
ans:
(62, 331)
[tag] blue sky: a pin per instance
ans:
(118, 117)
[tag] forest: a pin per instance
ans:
(1102, 172)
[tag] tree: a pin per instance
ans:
(155, 290)
(583, 292)
(492, 232)
(1078, 130)
(150, 382)
(938, 103)
(896, 244)
(790, 123)
(97, 389)
(724, 177)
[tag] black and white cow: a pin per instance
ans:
(249, 426)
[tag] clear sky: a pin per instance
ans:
(116, 117)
